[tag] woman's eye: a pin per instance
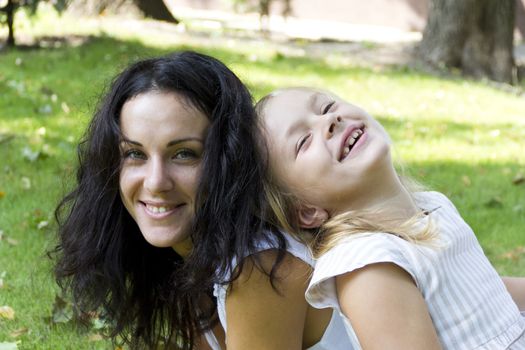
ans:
(185, 154)
(302, 142)
(327, 108)
(134, 154)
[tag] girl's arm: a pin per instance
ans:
(386, 309)
(516, 288)
(258, 316)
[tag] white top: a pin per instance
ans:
(334, 338)
(467, 300)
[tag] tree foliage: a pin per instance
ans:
(155, 9)
(7, 13)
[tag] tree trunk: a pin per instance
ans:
(156, 9)
(9, 10)
(475, 36)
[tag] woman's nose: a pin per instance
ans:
(157, 178)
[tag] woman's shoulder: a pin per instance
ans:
(294, 247)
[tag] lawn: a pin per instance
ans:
(461, 137)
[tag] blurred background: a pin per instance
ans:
(445, 77)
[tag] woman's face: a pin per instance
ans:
(162, 146)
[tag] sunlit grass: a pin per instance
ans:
(461, 137)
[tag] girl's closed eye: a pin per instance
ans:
(303, 142)
(327, 107)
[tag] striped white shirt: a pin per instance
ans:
(467, 300)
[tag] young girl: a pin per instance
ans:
(402, 267)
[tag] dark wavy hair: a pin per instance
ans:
(151, 296)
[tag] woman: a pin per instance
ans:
(168, 201)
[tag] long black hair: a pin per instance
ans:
(150, 295)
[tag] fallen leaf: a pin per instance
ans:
(41, 131)
(26, 183)
(518, 208)
(518, 179)
(11, 241)
(514, 254)
(8, 346)
(7, 312)
(95, 337)
(18, 332)
(1, 235)
(42, 224)
(2, 194)
(65, 107)
(45, 109)
(30, 155)
(62, 311)
(98, 323)
(466, 180)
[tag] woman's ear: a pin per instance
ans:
(311, 216)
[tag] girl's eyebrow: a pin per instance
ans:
(312, 100)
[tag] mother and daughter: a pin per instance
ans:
(194, 217)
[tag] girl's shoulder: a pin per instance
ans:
(430, 201)
(353, 253)
(363, 249)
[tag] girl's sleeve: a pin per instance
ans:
(352, 254)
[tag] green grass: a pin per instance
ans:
(460, 137)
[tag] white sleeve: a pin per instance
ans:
(352, 254)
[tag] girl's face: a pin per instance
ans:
(162, 146)
(327, 152)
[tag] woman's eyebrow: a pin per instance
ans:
(186, 139)
(169, 144)
(126, 140)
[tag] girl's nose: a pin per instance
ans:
(332, 123)
(157, 178)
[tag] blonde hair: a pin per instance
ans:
(284, 207)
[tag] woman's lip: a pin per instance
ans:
(160, 215)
